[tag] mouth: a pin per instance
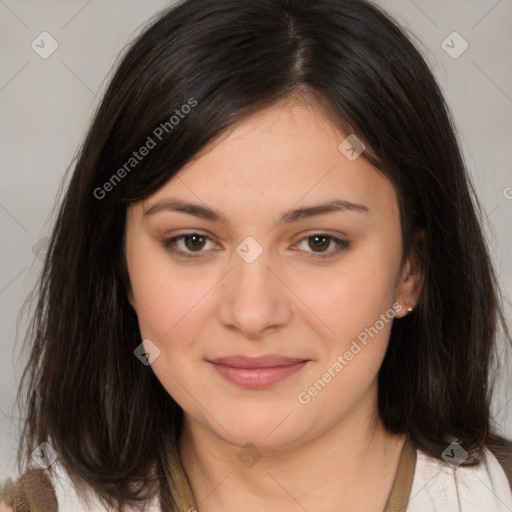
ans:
(257, 372)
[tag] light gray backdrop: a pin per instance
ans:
(48, 94)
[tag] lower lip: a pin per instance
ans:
(258, 377)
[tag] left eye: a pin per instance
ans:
(322, 241)
(195, 242)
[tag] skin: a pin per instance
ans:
(333, 453)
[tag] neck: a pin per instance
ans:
(350, 467)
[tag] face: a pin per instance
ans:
(271, 325)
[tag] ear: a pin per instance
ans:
(412, 277)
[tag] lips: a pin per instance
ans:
(257, 372)
(257, 362)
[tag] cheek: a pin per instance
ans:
(172, 309)
(358, 308)
(169, 300)
(354, 295)
(171, 312)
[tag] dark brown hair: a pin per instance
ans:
(106, 414)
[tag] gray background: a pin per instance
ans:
(46, 105)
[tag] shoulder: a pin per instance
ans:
(438, 485)
(68, 498)
(71, 500)
(39, 489)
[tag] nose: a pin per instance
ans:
(254, 299)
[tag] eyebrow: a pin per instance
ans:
(203, 212)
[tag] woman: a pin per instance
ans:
(267, 287)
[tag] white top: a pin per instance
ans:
(440, 487)
(437, 487)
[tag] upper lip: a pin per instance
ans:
(268, 361)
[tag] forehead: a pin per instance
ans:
(285, 155)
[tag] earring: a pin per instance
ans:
(409, 307)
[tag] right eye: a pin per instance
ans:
(193, 242)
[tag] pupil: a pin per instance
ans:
(318, 238)
(194, 239)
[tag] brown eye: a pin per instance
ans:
(319, 243)
(187, 244)
(194, 242)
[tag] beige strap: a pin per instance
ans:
(401, 490)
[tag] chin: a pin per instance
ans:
(265, 429)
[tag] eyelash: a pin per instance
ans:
(170, 245)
